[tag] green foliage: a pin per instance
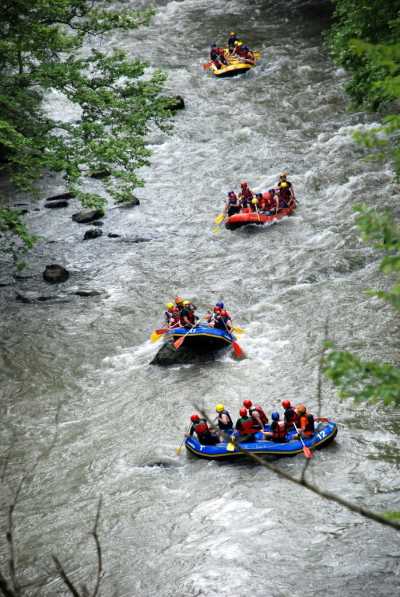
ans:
(116, 101)
(368, 380)
(365, 40)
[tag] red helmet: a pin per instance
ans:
(217, 309)
(194, 417)
(247, 403)
(243, 412)
(286, 403)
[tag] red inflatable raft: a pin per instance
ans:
(246, 216)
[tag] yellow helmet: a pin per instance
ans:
(232, 33)
(254, 201)
(219, 408)
(186, 303)
(170, 305)
(239, 43)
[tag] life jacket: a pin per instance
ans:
(267, 202)
(233, 199)
(246, 194)
(306, 424)
(172, 317)
(203, 432)
(223, 426)
(221, 322)
(278, 429)
(247, 426)
(188, 313)
(263, 416)
(290, 416)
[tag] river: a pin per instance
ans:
(75, 373)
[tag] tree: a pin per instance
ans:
(364, 39)
(41, 49)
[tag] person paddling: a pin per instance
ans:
(224, 419)
(257, 412)
(247, 426)
(200, 427)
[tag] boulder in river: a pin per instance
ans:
(99, 174)
(61, 197)
(176, 102)
(92, 233)
(113, 235)
(30, 296)
(134, 202)
(54, 274)
(56, 204)
(99, 223)
(88, 215)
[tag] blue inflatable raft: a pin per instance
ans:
(201, 339)
(325, 432)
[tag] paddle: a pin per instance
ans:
(178, 343)
(206, 65)
(179, 449)
(219, 219)
(156, 335)
(307, 452)
(240, 354)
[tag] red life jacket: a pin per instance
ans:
(278, 429)
(268, 201)
(189, 315)
(247, 427)
(246, 194)
(263, 416)
(306, 424)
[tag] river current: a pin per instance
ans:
(75, 373)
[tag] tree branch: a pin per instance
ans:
(365, 512)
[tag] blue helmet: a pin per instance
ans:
(220, 305)
(275, 416)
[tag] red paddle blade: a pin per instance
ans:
(238, 351)
(307, 453)
(178, 342)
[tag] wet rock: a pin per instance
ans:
(62, 196)
(56, 204)
(176, 103)
(168, 355)
(87, 292)
(99, 223)
(88, 215)
(133, 203)
(113, 235)
(21, 205)
(137, 239)
(29, 296)
(100, 174)
(92, 233)
(55, 274)
(36, 209)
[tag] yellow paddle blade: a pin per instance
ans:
(257, 55)
(239, 330)
(230, 447)
(178, 450)
(216, 230)
(154, 337)
(219, 218)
